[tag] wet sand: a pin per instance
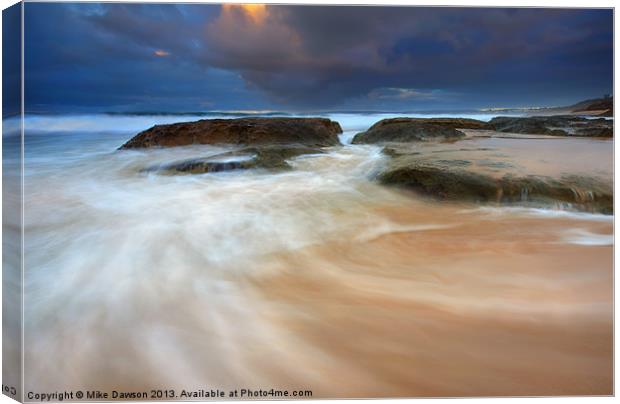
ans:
(315, 279)
(485, 307)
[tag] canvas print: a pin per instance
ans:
(263, 201)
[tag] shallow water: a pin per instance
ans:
(497, 154)
(317, 278)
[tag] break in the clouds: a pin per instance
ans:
(125, 57)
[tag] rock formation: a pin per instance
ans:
(317, 132)
(417, 129)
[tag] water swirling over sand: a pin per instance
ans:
(316, 278)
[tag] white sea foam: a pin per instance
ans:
(548, 213)
(584, 237)
(350, 122)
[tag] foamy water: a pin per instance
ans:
(136, 280)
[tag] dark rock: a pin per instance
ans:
(417, 129)
(201, 166)
(560, 125)
(494, 164)
(438, 181)
(456, 163)
(317, 132)
(395, 152)
(583, 192)
(271, 158)
(538, 125)
(442, 183)
(595, 131)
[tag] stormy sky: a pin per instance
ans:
(193, 57)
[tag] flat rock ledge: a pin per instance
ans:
(417, 129)
(450, 129)
(554, 126)
(458, 184)
(316, 132)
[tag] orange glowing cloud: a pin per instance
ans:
(254, 33)
(161, 53)
(255, 12)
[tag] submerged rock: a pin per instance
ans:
(554, 125)
(318, 132)
(272, 158)
(450, 182)
(417, 129)
(202, 166)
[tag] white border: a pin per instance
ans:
(463, 3)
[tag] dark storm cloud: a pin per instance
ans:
(345, 52)
(240, 57)
(11, 60)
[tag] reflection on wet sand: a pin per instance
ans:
(490, 306)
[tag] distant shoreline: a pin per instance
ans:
(600, 107)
